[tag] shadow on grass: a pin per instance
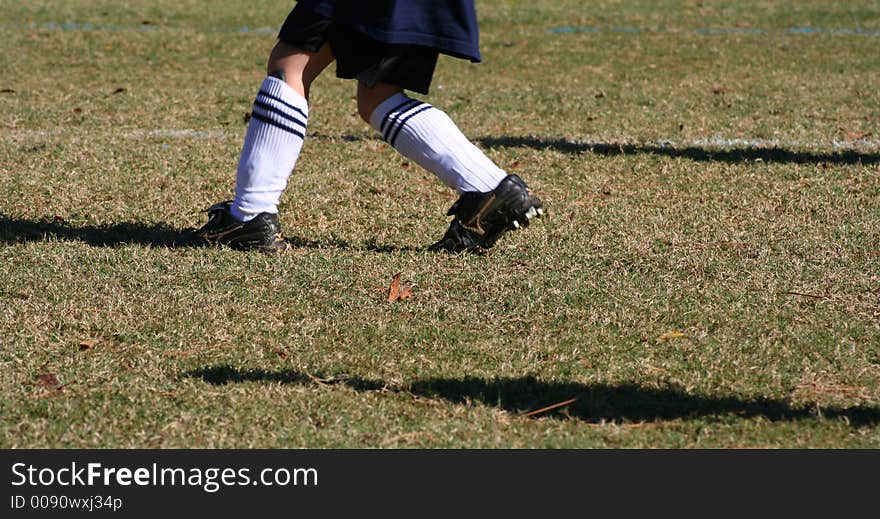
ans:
(691, 152)
(696, 153)
(111, 235)
(154, 235)
(370, 245)
(594, 402)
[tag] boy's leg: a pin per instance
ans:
(277, 128)
(274, 137)
(491, 202)
(271, 147)
(428, 137)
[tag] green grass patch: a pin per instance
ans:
(685, 293)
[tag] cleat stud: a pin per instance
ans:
(515, 224)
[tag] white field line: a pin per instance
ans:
(717, 141)
(720, 142)
(713, 142)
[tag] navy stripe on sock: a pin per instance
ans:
(395, 122)
(404, 121)
(399, 109)
(282, 101)
(276, 124)
(277, 111)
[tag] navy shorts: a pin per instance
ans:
(358, 56)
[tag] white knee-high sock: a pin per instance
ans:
(271, 146)
(428, 137)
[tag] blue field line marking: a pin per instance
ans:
(709, 32)
(626, 29)
(563, 30)
(718, 30)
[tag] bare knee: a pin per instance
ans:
(369, 98)
(296, 67)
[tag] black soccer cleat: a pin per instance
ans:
(481, 218)
(262, 233)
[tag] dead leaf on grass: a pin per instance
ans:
(396, 292)
(48, 381)
(672, 334)
(655, 369)
(550, 407)
(394, 288)
(87, 344)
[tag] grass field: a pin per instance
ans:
(707, 275)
